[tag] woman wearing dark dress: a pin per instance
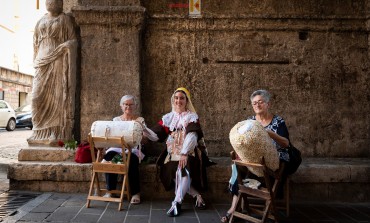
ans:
(276, 129)
(181, 163)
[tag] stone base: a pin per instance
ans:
(45, 153)
(48, 143)
(317, 179)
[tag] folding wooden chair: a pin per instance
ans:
(257, 212)
(95, 192)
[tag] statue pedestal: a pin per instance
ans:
(43, 168)
(45, 154)
(47, 143)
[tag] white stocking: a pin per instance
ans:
(192, 192)
(182, 188)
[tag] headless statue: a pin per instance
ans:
(53, 94)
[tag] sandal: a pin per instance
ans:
(199, 203)
(135, 199)
(226, 218)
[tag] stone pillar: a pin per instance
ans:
(110, 58)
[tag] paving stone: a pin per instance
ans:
(141, 209)
(137, 219)
(209, 215)
(159, 216)
(49, 205)
(35, 217)
(351, 213)
(114, 206)
(186, 219)
(86, 218)
(365, 210)
(113, 215)
(63, 214)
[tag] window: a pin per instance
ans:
(1, 95)
(3, 105)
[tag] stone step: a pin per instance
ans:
(45, 153)
(335, 179)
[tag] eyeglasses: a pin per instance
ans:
(260, 102)
(129, 105)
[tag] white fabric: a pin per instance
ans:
(174, 120)
(190, 142)
(148, 133)
(131, 131)
(182, 185)
(251, 183)
(136, 150)
(245, 128)
(234, 174)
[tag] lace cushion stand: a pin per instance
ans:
(95, 192)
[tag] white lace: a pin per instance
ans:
(174, 120)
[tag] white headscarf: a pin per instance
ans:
(189, 104)
(174, 119)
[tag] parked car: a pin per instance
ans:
(7, 116)
(24, 120)
(22, 109)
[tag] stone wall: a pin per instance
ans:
(313, 56)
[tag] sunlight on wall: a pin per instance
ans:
(17, 22)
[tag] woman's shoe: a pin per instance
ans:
(199, 203)
(135, 199)
(107, 195)
(174, 210)
(226, 218)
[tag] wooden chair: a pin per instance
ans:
(258, 212)
(95, 192)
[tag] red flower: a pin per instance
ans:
(60, 143)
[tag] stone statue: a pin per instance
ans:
(53, 94)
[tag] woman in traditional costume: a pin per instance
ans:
(182, 164)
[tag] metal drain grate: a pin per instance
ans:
(10, 201)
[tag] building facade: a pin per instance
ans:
(15, 87)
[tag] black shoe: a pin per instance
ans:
(199, 202)
(174, 210)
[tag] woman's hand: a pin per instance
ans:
(183, 161)
(282, 141)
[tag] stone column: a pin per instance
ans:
(110, 58)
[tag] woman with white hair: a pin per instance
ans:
(128, 105)
(276, 129)
(182, 164)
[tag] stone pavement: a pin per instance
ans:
(62, 207)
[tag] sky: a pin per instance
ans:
(17, 22)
